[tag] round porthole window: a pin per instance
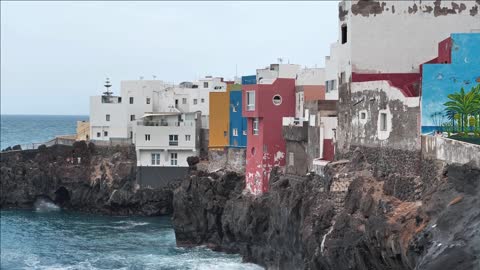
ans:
(277, 100)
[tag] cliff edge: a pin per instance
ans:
(374, 210)
(80, 177)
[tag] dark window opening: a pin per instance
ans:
(344, 34)
(131, 100)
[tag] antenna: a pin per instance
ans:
(107, 85)
(236, 70)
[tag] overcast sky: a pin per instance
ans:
(54, 55)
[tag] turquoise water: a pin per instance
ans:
(67, 240)
(26, 129)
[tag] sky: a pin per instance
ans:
(54, 55)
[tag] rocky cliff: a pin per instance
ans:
(83, 177)
(374, 210)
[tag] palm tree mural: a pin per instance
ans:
(462, 105)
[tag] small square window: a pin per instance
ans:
(105, 133)
(203, 100)
(187, 137)
(148, 100)
(205, 85)
(147, 137)
(184, 100)
(107, 117)
(173, 140)
(245, 132)
(131, 100)
(195, 101)
(132, 117)
(235, 132)
(99, 134)
(363, 115)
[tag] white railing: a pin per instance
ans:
(165, 123)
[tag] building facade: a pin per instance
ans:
(264, 105)
(378, 66)
(237, 123)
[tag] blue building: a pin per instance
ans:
(238, 124)
(457, 67)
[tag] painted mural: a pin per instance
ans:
(451, 92)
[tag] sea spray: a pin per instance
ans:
(45, 205)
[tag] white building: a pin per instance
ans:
(167, 138)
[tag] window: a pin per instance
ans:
(148, 100)
(327, 86)
(205, 85)
(235, 132)
(147, 137)
(203, 100)
(173, 159)
(342, 78)
(234, 108)
(132, 117)
(344, 34)
(184, 100)
(176, 103)
(131, 134)
(131, 100)
(187, 137)
(119, 100)
(155, 158)
(173, 140)
(363, 115)
(99, 134)
(383, 121)
(291, 158)
(195, 101)
(250, 100)
(277, 100)
(107, 117)
(105, 133)
(255, 126)
(245, 132)
(225, 134)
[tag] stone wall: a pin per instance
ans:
(450, 151)
(230, 159)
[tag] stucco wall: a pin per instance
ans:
(159, 177)
(219, 119)
(450, 151)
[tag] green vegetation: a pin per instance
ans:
(463, 113)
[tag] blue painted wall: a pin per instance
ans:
(251, 79)
(440, 80)
(236, 120)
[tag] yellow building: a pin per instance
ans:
(219, 119)
(83, 129)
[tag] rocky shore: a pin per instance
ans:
(81, 177)
(377, 209)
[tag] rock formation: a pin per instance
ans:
(368, 212)
(83, 177)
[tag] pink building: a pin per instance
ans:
(265, 104)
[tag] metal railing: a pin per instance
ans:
(151, 123)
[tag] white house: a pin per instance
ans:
(167, 138)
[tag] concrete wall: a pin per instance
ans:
(396, 37)
(159, 177)
(450, 151)
(372, 99)
(230, 159)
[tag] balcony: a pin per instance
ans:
(160, 123)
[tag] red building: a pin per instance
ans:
(264, 107)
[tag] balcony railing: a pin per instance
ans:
(151, 123)
(173, 143)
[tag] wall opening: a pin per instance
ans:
(344, 34)
(383, 122)
(277, 100)
(363, 115)
(62, 196)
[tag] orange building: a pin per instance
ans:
(219, 119)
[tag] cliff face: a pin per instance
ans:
(369, 212)
(82, 177)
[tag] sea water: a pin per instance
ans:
(49, 238)
(68, 240)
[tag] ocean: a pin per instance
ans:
(59, 239)
(69, 240)
(28, 129)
